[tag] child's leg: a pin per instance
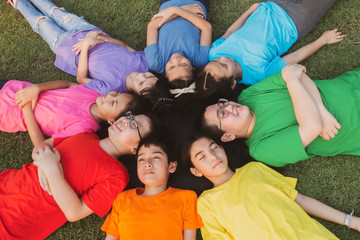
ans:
(42, 25)
(68, 21)
(305, 13)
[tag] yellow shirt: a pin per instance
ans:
(257, 203)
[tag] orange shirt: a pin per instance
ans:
(163, 216)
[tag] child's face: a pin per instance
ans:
(144, 82)
(178, 67)
(153, 168)
(112, 104)
(223, 67)
(209, 159)
(122, 135)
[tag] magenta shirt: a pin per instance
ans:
(59, 113)
(109, 64)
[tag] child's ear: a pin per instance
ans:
(196, 172)
(133, 151)
(227, 137)
(172, 166)
(233, 85)
(111, 121)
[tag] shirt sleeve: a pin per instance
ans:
(284, 147)
(275, 66)
(75, 128)
(212, 229)
(101, 86)
(217, 42)
(191, 218)
(111, 223)
(202, 57)
(101, 196)
(154, 59)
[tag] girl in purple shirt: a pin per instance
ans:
(104, 64)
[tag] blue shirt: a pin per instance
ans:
(177, 36)
(258, 44)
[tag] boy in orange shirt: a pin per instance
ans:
(156, 211)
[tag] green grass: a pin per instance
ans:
(25, 56)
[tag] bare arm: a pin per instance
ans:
(203, 25)
(36, 136)
(240, 21)
(110, 237)
(321, 210)
(73, 207)
(116, 42)
(189, 234)
(306, 111)
(328, 37)
(330, 124)
(31, 93)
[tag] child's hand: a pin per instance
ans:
(332, 36)
(292, 72)
(91, 39)
(194, 8)
(355, 223)
(28, 94)
(165, 15)
(47, 159)
(330, 125)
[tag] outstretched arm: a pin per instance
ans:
(73, 207)
(31, 93)
(321, 210)
(240, 21)
(306, 111)
(328, 37)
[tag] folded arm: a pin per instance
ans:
(116, 42)
(321, 210)
(306, 111)
(328, 37)
(240, 21)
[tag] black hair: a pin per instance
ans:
(160, 140)
(159, 96)
(182, 83)
(137, 105)
(201, 124)
(186, 146)
(155, 125)
(210, 88)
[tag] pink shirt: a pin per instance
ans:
(59, 113)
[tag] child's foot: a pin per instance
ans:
(12, 2)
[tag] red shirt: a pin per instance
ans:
(28, 212)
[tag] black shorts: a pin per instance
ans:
(2, 83)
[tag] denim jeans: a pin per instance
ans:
(56, 24)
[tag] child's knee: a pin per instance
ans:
(38, 21)
(56, 8)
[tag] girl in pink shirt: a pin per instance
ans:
(61, 108)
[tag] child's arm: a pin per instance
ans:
(328, 37)
(31, 93)
(73, 207)
(306, 111)
(116, 42)
(321, 210)
(189, 234)
(240, 21)
(83, 46)
(110, 237)
(330, 124)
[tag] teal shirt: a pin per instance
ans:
(275, 139)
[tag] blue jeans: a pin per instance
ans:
(56, 23)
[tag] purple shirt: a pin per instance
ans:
(109, 64)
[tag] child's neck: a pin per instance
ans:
(95, 113)
(129, 81)
(153, 190)
(112, 149)
(223, 178)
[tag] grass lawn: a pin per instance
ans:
(25, 56)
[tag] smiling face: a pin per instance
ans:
(153, 168)
(209, 159)
(223, 67)
(178, 67)
(122, 135)
(143, 82)
(112, 104)
(237, 123)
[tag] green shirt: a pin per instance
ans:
(275, 139)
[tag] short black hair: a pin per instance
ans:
(208, 87)
(186, 146)
(137, 105)
(155, 123)
(160, 140)
(201, 124)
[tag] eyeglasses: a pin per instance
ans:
(133, 123)
(222, 112)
